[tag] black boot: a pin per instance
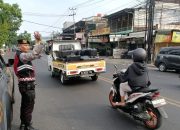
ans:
(30, 127)
(22, 126)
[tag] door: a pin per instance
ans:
(174, 59)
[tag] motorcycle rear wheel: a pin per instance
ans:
(156, 118)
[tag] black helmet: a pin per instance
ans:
(139, 55)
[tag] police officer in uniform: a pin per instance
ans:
(24, 71)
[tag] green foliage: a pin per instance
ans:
(25, 35)
(10, 21)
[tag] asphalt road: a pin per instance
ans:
(83, 104)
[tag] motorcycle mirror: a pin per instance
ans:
(123, 71)
(115, 66)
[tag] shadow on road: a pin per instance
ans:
(15, 127)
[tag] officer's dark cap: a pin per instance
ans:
(22, 41)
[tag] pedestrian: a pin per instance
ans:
(25, 73)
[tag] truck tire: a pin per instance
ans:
(52, 74)
(62, 78)
(94, 78)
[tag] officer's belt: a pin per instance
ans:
(27, 85)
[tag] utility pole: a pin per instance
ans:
(150, 28)
(160, 20)
(73, 13)
(146, 24)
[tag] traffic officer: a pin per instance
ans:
(25, 73)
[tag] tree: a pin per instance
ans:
(25, 35)
(10, 21)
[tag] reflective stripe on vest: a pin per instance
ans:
(27, 79)
(25, 66)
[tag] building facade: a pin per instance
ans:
(125, 29)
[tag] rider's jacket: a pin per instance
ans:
(136, 75)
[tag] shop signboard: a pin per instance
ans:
(137, 34)
(162, 38)
(99, 39)
(101, 31)
(176, 37)
(80, 35)
(115, 38)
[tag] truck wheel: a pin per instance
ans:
(49, 68)
(62, 78)
(52, 74)
(94, 78)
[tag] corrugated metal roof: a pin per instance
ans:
(127, 10)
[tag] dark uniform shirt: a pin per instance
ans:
(23, 66)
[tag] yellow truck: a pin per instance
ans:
(68, 60)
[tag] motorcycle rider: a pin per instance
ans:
(25, 73)
(135, 77)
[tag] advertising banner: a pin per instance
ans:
(176, 37)
(162, 38)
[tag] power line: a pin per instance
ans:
(92, 4)
(41, 24)
(112, 10)
(58, 20)
(44, 15)
(83, 3)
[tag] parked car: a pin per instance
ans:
(6, 94)
(168, 59)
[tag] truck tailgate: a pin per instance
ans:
(97, 66)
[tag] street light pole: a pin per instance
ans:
(73, 13)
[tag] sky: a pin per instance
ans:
(47, 16)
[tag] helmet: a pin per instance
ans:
(139, 55)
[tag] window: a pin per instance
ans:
(175, 52)
(163, 52)
(66, 47)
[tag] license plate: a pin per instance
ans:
(159, 102)
(86, 72)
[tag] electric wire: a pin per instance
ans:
(90, 2)
(41, 24)
(44, 15)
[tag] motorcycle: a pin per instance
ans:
(144, 105)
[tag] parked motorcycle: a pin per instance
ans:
(142, 104)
